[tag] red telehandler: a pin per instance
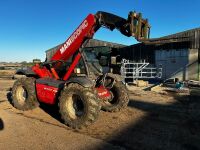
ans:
(79, 98)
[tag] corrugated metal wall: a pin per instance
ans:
(186, 66)
(171, 61)
(138, 53)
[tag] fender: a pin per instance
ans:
(84, 81)
(25, 71)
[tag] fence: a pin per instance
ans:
(131, 71)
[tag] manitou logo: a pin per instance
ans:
(51, 90)
(74, 36)
(102, 93)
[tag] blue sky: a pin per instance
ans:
(29, 27)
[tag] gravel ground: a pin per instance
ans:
(152, 121)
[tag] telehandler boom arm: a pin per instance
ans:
(133, 26)
(92, 23)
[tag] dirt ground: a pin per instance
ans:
(7, 72)
(151, 121)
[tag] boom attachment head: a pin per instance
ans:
(139, 27)
(134, 25)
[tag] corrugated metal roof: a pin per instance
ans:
(95, 43)
(91, 43)
(192, 36)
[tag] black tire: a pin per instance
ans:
(78, 106)
(24, 94)
(120, 98)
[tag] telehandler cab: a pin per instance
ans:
(79, 98)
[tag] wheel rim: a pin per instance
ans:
(22, 94)
(75, 106)
(113, 100)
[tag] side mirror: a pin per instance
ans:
(113, 60)
(103, 61)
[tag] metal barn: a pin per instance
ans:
(177, 54)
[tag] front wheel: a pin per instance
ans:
(119, 100)
(24, 94)
(78, 106)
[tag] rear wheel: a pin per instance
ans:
(119, 100)
(23, 94)
(78, 106)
